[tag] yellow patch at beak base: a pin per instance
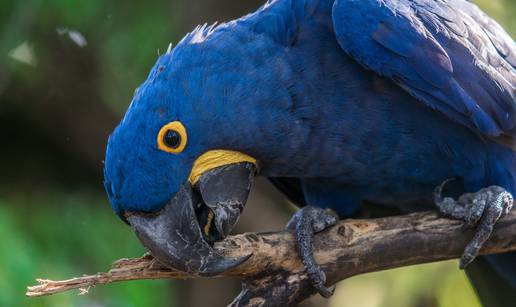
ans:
(216, 158)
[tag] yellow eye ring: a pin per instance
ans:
(172, 137)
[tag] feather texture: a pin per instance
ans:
(447, 54)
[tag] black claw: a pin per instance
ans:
(318, 278)
(466, 258)
(324, 291)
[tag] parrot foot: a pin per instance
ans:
(305, 223)
(481, 209)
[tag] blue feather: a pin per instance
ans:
(415, 42)
(341, 102)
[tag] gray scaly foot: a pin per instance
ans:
(305, 223)
(481, 209)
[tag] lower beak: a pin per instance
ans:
(179, 235)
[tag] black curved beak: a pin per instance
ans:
(181, 234)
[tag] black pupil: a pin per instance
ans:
(172, 139)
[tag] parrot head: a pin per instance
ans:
(180, 164)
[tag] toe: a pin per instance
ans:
(330, 219)
(470, 253)
(507, 203)
(474, 214)
(318, 226)
(325, 291)
(323, 220)
(319, 281)
(483, 232)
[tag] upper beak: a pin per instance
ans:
(201, 212)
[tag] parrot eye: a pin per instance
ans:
(172, 137)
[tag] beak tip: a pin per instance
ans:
(223, 265)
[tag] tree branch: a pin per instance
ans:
(274, 274)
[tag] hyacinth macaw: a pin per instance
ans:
(391, 102)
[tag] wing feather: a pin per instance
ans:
(446, 53)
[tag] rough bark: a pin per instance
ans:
(275, 276)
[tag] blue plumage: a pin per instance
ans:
(340, 102)
(440, 52)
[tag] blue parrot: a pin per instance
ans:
(395, 103)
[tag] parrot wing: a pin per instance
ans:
(447, 54)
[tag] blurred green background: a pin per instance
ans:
(68, 70)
